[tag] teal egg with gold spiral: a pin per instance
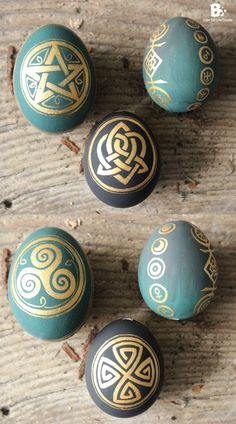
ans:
(54, 79)
(177, 272)
(180, 65)
(50, 284)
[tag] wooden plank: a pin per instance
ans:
(41, 182)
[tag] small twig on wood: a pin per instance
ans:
(192, 184)
(81, 167)
(70, 144)
(124, 264)
(5, 258)
(70, 352)
(86, 347)
(10, 66)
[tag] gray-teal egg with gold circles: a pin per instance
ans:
(50, 284)
(177, 271)
(180, 65)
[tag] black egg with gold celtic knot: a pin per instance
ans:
(121, 160)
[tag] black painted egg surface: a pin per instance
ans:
(124, 368)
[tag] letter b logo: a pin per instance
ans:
(217, 10)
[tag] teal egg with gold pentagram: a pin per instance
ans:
(180, 65)
(50, 284)
(54, 79)
(177, 272)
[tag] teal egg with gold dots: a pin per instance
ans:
(50, 284)
(180, 65)
(54, 79)
(177, 272)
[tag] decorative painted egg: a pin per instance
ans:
(121, 160)
(180, 65)
(177, 271)
(54, 79)
(50, 284)
(124, 369)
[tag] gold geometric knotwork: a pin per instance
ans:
(55, 78)
(210, 267)
(125, 152)
(121, 152)
(151, 63)
(129, 368)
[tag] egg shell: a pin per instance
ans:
(121, 160)
(180, 65)
(177, 271)
(124, 369)
(50, 284)
(54, 79)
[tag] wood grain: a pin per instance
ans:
(40, 185)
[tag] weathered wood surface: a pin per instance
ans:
(43, 185)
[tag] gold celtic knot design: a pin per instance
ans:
(122, 155)
(55, 78)
(125, 372)
(48, 277)
(125, 150)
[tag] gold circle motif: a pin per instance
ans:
(158, 293)
(203, 94)
(39, 78)
(207, 76)
(46, 272)
(160, 32)
(206, 55)
(193, 106)
(165, 311)
(200, 37)
(127, 365)
(122, 155)
(192, 24)
(159, 246)
(167, 228)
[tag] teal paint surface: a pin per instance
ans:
(177, 271)
(54, 79)
(180, 65)
(50, 284)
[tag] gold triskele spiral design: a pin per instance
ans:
(121, 154)
(129, 367)
(46, 287)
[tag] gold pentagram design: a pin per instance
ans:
(55, 78)
(125, 372)
(48, 277)
(117, 156)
